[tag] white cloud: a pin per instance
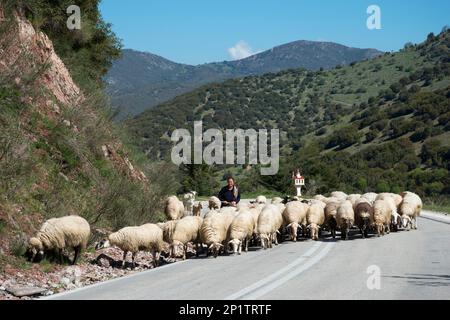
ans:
(241, 50)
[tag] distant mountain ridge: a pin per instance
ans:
(139, 80)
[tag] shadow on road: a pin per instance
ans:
(431, 280)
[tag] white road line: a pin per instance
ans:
(273, 276)
(271, 286)
(142, 273)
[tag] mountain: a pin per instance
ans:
(381, 124)
(138, 81)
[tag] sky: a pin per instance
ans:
(202, 31)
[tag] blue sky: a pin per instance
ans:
(200, 31)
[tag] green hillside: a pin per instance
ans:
(374, 125)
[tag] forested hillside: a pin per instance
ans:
(378, 125)
(60, 154)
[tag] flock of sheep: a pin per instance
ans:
(235, 228)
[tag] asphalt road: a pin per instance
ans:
(410, 264)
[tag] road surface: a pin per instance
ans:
(411, 265)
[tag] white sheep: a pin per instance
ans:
(60, 233)
(353, 198)
(370, 196)
(174, 209)
(214, 231)
(392, 201)
(342, 196)
(269, 222)
(148, 237)
(168, 229)
(186, 230)
(410, 209)
(294, 216)
(330, 217)
(214, 203)
(276, 200)
(315, 218)
(229, 210)
(188, 202)
(382, 213)
(345, 218)
(241, 231)
(261, 200)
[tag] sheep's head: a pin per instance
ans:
(102, 244)
(314, 228)
(176, 249)
(406, 220)
(235, 245)
(292, 229)
(35, 249)
(215, 249)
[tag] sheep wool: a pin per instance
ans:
(294, 216)
(330, 217)
(364, 217)
(174, 208)
(60, 233)
(345, 218)
(269, 221)
(410, 209)
(214, 203)
(382, 212)
(186, 230)
(241, 231)
(315, 218)
(214, 231)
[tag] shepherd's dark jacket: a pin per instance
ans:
(230, 195)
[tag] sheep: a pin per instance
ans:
(214, 231)
(276, 200)
(364, 217)
(269, 221)
(315, 218)
(294, 216)
(261, 200)
(330, 217)
(410, 209)
(345, 218)
(331, 200)
(317, 202)
(197, 209)
(134, 239)
(320, 197)
(390, 198)
(340, 195)
(174, 209)
(188, 202)
(186, 230)
(60, 233)
(230, 210)
(370, 196)
(382, 212)
(353, 198)
(168, 229)
(241, 231)
(214, 203)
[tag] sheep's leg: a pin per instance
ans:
(156, 258)
(197, 250)
(133, 258)
(124, 260)
(75, 257)
(184, 251)
(246, 244)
